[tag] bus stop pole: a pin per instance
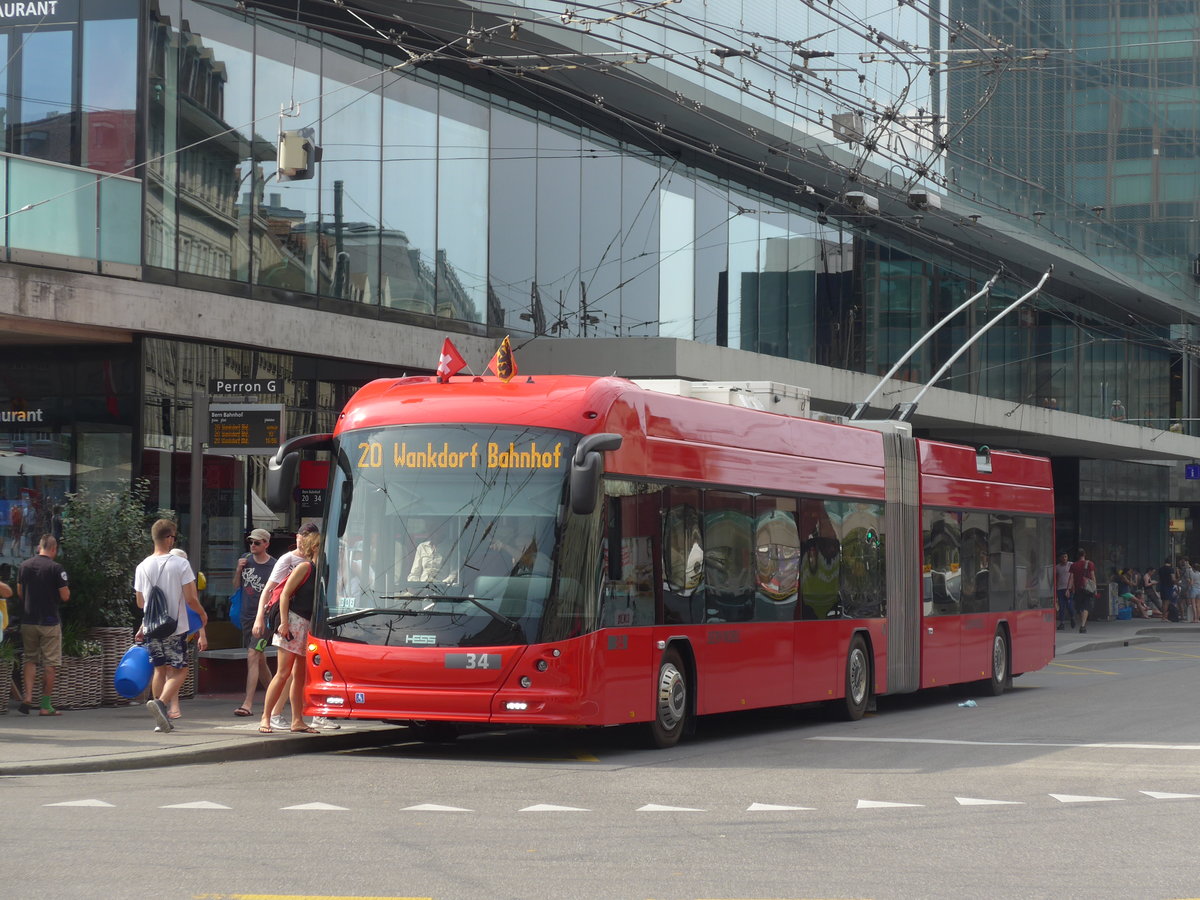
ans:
(199, 437)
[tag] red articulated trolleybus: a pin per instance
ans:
(561, 550)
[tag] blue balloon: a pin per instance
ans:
(133, 671)
(194, 622)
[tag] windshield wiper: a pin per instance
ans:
(425, 610)
(343, 618)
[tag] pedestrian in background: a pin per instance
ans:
(42, 585)
(251, 575)
(169, 656)
(1083, 587)
(1167, 586)
(295, 615)
(1062, 591)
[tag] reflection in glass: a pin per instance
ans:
(286, 72)
(462, 209)
(677, 255)
(349, 243)
(514, 300)
(558, 215)
(409, 193)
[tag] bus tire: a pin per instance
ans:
(999, 680)
(670, 701)
(858, 680)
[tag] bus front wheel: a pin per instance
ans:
(858, 681)
(670, 702)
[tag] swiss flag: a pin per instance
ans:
(450, 362)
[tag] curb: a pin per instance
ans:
(216, 751)
(1103, 645)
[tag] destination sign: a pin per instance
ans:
(251, 428)
(492, 455)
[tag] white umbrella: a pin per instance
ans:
(22, 465)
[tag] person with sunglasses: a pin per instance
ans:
(251, 575)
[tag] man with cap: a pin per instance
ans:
(251, 575)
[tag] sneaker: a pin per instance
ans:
(158, 709)
(279, 723)
(1062, 626)
(1082, 630)
(324, 724)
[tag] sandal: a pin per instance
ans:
(49, 712)
(265, 729)
(305, 730)
(242, 712)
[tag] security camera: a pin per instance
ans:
(924, 200)
(862, 202)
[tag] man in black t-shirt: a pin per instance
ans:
(42, 585)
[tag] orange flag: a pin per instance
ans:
(504, 364)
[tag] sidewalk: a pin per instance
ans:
(112, 738)
(123, 737)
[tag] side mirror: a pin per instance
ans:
(281, 469)
(585, 470)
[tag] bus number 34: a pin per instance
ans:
(473, 661)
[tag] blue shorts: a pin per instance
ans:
(171, 651)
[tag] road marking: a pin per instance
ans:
(433, 807)
(1086, 670)
(882, 804)
(770, 807)
(549, 807)
(316, 806)
(1096, 746)
(294, 897)
(1162, 795)
(654, 807)
(1075, 798)
(975, 801)
(198, 804)
(1176, 654)
(80, 803)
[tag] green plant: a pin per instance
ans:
(75, 641)
(105, 535)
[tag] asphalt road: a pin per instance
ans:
(1084, 781)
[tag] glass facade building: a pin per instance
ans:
(737, 173)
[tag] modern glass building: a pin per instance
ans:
(704, 188)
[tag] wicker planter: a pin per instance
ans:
(77, 685)
(113, 644)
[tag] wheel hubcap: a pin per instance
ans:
(999, 663)
(856, 675)
(672, 697)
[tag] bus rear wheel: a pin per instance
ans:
(670, 702)
(858, 681)
(999, 679)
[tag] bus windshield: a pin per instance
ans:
(443, 535)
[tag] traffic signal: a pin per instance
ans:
(298, 155)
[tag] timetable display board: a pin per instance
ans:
(245, 428)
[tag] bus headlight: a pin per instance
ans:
(526, 681)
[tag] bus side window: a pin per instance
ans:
(629, 572)
(942, 566)
(683, 557)
(728, 557)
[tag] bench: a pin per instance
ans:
(224, 671)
